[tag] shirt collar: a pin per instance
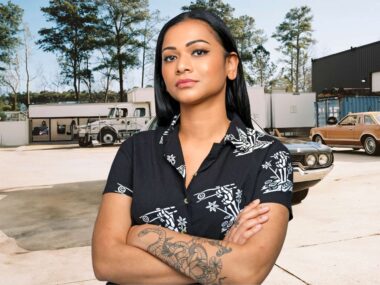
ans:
(237, 135)
(236, 129)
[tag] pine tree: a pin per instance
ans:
(295, 36)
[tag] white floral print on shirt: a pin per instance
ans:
(247, 142)
(166, 218)
(281, 169)
(228, 201)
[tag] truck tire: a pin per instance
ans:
(84, 142)
(107, 137)
(299, 196)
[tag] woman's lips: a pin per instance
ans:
(183, 83)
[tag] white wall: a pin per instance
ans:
(293, 111)
(376, 82)
(260, 106)
(14, 133)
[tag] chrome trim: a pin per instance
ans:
(300, 175)
(346, 146)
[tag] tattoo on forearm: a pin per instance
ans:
(190, 258)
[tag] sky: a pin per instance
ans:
(337, 24)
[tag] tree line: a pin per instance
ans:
(109, 38)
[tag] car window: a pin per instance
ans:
(139, 112)
(377, 118)
(349, 120)
(125, 112)
(368, 120)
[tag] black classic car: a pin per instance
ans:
(311, 161)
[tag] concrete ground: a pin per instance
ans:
(49, 196)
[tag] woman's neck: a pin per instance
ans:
(203, 123)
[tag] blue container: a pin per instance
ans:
(338, 108)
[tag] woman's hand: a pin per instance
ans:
(248, 223)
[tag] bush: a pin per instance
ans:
(2, 116)
(7, 108)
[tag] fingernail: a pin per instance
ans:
(263, 218)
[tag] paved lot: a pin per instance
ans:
(49, 198)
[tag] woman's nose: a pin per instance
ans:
(183, 64)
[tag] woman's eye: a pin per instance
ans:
(199, 52)
(169, 58)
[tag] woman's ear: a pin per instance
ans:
(232, 62)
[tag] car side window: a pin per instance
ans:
(139, 112)
(348, 121)
(368, 120)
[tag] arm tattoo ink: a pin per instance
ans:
(190, 258)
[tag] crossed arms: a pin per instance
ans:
(152, 254)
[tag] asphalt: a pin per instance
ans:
(49, 197)
(51, 218)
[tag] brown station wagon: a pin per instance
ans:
(356, 130)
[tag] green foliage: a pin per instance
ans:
(218, 7)
(243, 29)
(10, 20)
(295, 37)
(71, 36)
(149, 37)
(120, 35)
(262, 69)
(49, 97)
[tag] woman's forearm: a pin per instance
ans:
(126, 264)
(204, 260)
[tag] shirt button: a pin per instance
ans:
(186, 201)
(196, 173)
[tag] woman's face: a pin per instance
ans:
(194, 65)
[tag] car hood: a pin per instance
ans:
(296, 146)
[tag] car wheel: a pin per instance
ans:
(318, 139)
(299, 196)
(107, 137)
(370, 146)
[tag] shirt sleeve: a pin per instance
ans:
(120, 177)
(275, 178)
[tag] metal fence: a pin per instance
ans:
(13, 116)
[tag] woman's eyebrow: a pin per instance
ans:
(187, 44)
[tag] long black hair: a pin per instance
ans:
(236, 90)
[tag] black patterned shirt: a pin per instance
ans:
(247, 164)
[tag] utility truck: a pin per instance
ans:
(124, 119)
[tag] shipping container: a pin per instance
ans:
(340, 107)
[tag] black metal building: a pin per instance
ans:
(352, 68)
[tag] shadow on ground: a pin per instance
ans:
(59, 217)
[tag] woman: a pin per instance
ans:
(182, 203)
